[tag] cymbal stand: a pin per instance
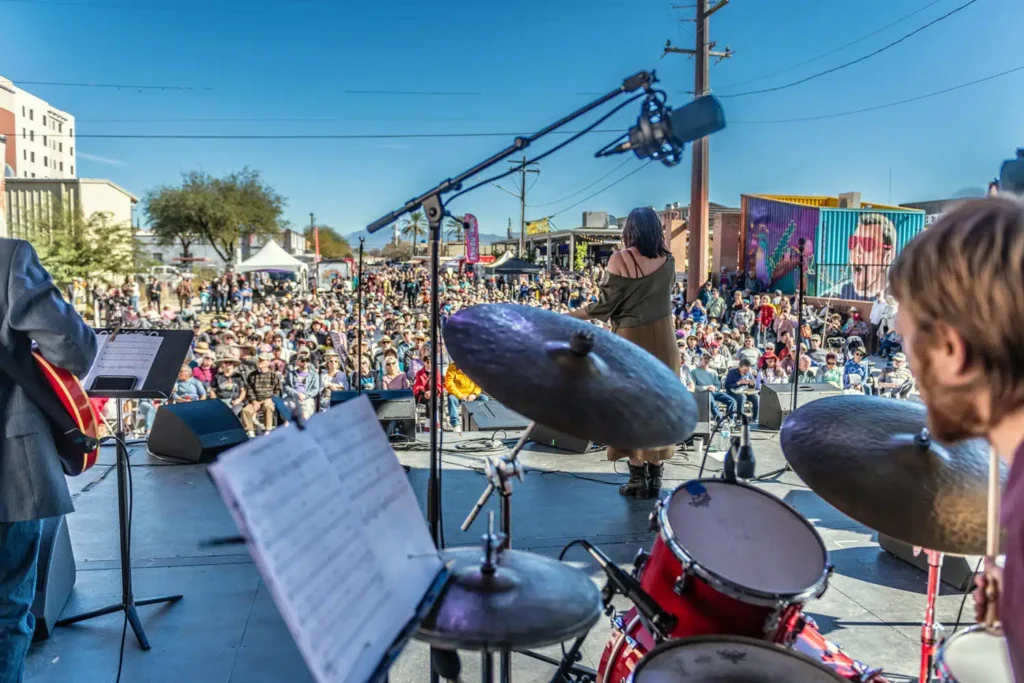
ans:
(930, 627)
(500, 471)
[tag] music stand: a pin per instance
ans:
(157, 383)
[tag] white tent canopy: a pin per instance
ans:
(271, 257)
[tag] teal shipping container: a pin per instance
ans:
(855, 247)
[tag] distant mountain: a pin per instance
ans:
(379, 239)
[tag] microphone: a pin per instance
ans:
(661, 621)
(745, 456)
(446, 664)
(661, 132)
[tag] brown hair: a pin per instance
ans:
(967, 272)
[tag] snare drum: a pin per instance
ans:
(732, 559)
(727, 658)
(974, 656)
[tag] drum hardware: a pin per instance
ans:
(975, 655)
(930, 626)
(638, 562)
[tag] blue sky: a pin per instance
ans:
(530, 61)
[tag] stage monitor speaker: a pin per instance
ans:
(776, 400)
(705, 418)
(957, 571)
(546, 436)
(195, 431)
(491, 416)
(392, 406)
(55, 576)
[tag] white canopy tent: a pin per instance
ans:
(273, 257)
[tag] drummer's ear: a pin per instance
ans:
(950, 356)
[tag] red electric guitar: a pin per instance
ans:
(61, 397)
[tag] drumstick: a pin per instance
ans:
(992, 540)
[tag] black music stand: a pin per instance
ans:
(157, 384)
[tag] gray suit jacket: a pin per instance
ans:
(32, 484)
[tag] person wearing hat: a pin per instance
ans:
(333, 377)
(302, 385)
(187, 388)
(197, 352)
(897, 380)
(816, 352)
(204, 371)
(227, 384)
(771, 371)
(261, 386)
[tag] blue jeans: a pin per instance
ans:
(19, 553)
(455, 408)
(742, 400)
(721, 396)
(147, 414)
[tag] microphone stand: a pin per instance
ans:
(359, 320)
(433, 205)
(775, 474)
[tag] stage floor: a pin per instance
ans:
(227, 628)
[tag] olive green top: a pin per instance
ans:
(634, 302)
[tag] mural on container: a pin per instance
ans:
(773, 231)
(857, 250)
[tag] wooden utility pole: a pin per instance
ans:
(697, 220)
(524, 168)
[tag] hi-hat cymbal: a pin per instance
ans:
(529, 601)
(873, 459)
(571, 376)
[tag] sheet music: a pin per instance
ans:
(336, 532)
(131, 354)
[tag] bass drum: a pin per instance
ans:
(974, 656)
(728, 659)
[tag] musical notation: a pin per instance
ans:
(337, 534)
(127, 354)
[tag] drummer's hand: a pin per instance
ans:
(992, 573)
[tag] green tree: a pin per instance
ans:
(414, 224)
(397, 252)
(71, 245)
(581, 258)
(216, 211)
(333, 244)
(454, 227)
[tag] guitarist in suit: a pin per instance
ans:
(32, 484)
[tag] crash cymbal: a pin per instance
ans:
(529, 601)
(873, 459)
(571, 376)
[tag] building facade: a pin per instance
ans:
(30, 201)
(40, 137)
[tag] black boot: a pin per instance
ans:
(654, 479)
(637, 484)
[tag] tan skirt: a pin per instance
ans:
(658, 339)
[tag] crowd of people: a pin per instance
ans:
(258, 337)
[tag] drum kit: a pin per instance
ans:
(720, 595)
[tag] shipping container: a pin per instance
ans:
(808, 200)
(855, 248)
(771, 231)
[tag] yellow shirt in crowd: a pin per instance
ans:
(458, 384)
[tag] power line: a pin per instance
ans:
(583, 189)
(859, 59)
(888, 104)
(833, 51)
(430, 93)
(606, 187)
(299, 136)
(119, 86)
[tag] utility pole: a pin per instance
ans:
(524, 168)
(316, 236)
(697, 220)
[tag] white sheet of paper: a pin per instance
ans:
(131, 354)
(334, 527)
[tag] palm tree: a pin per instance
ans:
(413, 225)
(455, 226)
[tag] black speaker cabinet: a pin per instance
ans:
(957, 571)
(546, 436)
(195, 431)
(55, 576)
(392, 406)
(705, 418)
(490, 416)
(776, 400)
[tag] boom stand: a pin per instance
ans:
(500, 472)
(128, 602)
(771, 476)
(433, 206)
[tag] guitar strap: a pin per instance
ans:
(42, 395)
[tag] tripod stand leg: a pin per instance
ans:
(103, 611)
(506, 667)
(136, 624)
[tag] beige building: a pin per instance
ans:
(40, 137)
(28, 200)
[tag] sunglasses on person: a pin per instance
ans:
(867, 243)
(831, 363)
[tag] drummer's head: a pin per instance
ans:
(961, 314)
(643, 230)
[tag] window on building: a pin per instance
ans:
(32, 136)
(44, 139)
(44, 119)
(72, 169)
(24, 155)
(33, 175)
(33, 156)
(60, 128)
(46, 162)
(62, 167)
(60, 146)
(72, 151)
(31, 115)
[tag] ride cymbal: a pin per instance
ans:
(529, 601)
(874, 460)
(571, 376)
